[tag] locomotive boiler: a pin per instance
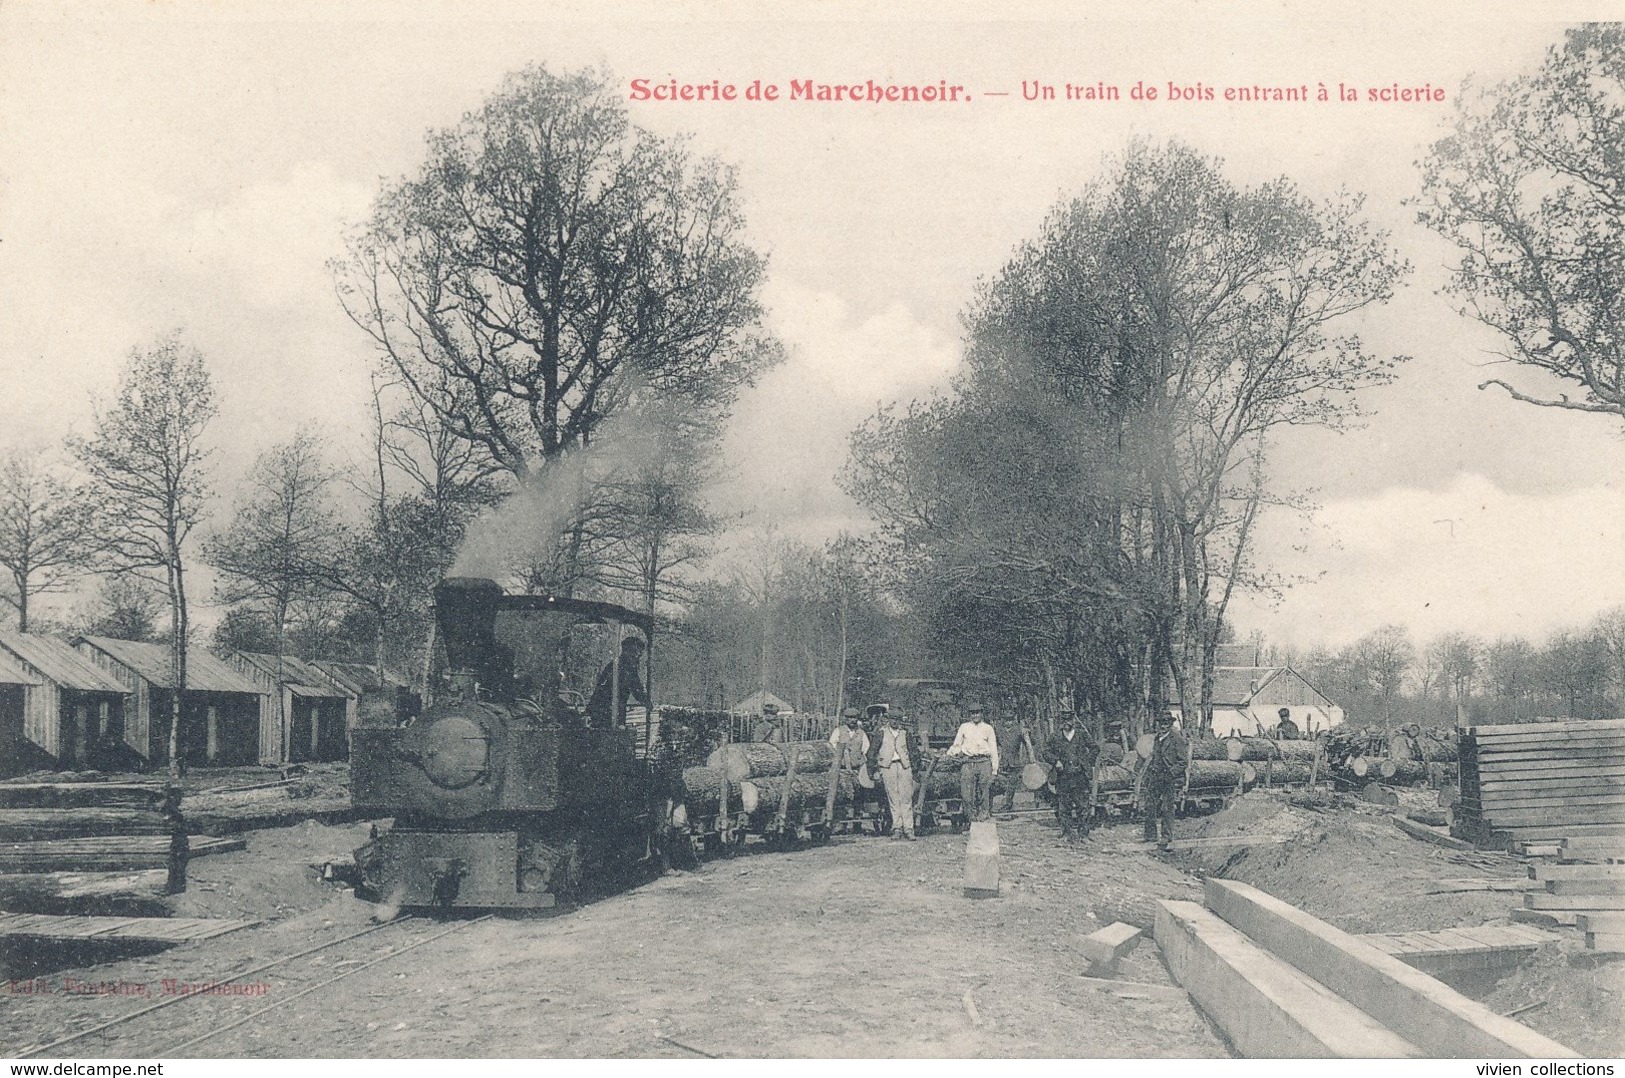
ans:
(519, 785)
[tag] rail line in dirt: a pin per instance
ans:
(176, 1034)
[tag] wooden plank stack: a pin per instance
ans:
(75, 846)
(1590, 895)
(1541, 781)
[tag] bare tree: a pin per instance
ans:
(49, 531)
(1530, 186)
(148, 463)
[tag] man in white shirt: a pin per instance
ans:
(977, 743)
(896, 766)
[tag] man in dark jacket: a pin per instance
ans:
(1164, 778)
(1071, 754)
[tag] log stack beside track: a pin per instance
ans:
(1540, 781)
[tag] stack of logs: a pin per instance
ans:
(69, 847)
(757, 774)
(1541, 781)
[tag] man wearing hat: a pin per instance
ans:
(769, 727)
(1071, 754)
(1164, 776)
(977, 743)
(850, 742)
(1286, 729)
(895, 763)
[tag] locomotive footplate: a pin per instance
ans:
(452, 870)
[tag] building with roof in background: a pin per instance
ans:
(305, 714)
(69, 704)
(1247, 700)
(220, 715)
(373, 690)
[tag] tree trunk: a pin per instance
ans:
(764, 795)
(21, 579)
(749, 760)
(1263, 748)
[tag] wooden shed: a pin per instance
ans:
(17, 753)
(304, 714)
(73, 703)
(221, 714)
(371, 690)
(1248, 700)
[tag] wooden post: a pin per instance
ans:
(178, 846)
(784, 798)
(315, 730)
(982, 860)
(213, 751)
(829, 798)
(81, 723)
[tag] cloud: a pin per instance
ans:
(1471, 556)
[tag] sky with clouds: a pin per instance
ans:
(195, 165)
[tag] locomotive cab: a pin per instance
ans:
(519, 783)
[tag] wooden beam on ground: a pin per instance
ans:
(1105, 947)
(1429, 834)
(1265, 1007)
(1215, 842)
(1414, 1005)
(1450, 887)
(35, 825)
(1545, 918)
(36, 888)
(50, 795)
(1542, 900)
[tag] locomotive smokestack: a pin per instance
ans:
(466, 608)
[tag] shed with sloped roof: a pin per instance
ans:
(220, 713)
(72, 706)
(305, 714)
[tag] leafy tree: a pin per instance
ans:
(1530, 185)
(1097, 472)
(49, 532)
(148, 464)
(125, 607)
(553, 265)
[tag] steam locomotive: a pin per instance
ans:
(520, 785)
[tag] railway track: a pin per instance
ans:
(203, 1022)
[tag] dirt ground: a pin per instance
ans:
(865, 947)
(1352, 867)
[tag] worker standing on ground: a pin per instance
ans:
(1009, 730)
(896, 765)
(1164, 778)
(1071, 754)
(977, 743)
(850, 742)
